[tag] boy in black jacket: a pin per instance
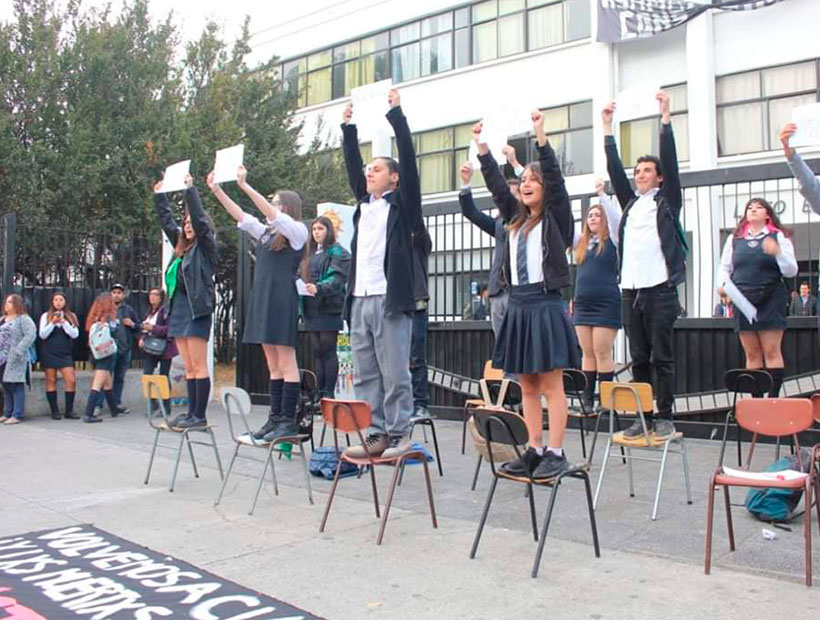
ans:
(653, 262)
(380, 298)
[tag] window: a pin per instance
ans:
(752, 106)
(640, 136)
(435, 159)
(406, 63)
(569, 130)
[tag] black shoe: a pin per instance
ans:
(421, 413)
(636, 430)
(664, 429)
(192, 422)
(523, 466)
(269, 425)
(70, 415)
(586, 407)
(281, 429)
(172, 422)
(550, 466)
(56, 415)
(90, 419)
(123, 410)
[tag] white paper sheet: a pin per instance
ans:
(637, 101)
(174, 178)
(301, 288)
(381, 144)
(370, 105)
(807, 119)
(472, 157)
(227, 162)
(739, 300)
(767, 476)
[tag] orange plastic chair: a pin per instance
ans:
(769, 417)
(353, 417)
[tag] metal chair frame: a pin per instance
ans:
(489, 374)
(757, 383)
(495, 395)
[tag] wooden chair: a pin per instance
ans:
(636, 399)
(509, 429)
(155, 388)
(769, 417)
(738, 381)
(491, 376)
(237, 404)
(354, 416)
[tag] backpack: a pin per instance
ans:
(324, 461)
(778, 505)
(101, 341)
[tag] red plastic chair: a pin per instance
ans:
(353, 416)
(771, 417)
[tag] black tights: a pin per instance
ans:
(325, 362)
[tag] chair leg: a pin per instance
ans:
(273, 474)
(739, 449)
(227, 475)
(593, 525)
(375, 492)
(464, 417)
(547, 518)
(583, 441)
(390, 492)
(686, 476)
(429, 484)
(660, 480)
(477, 469)
(710, 517)
(216, 453)
(191, 453)
(307, 473)
(330, 497)
(176, 463)
(153, 453)
(401, 473)
(322, 436)
(777, 449)
(532, 513)
(594, 438)
(424, 432)
(728, 505)
(629, 471)
(807, 528)
(816, 500)
(603, 471)
(484, 514)
(435, 447)
(268, 461)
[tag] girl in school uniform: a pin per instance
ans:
(597, 302)
(102, 311)
(273, 314)
(189, 279)
(155, 324)
(536, 340)
(325, 268)
(59, 329)
(756, 258)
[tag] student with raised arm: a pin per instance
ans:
(273, 315)
(597, 301)
(380, 291)
(536, 340)
(652, 263)
(189, 279)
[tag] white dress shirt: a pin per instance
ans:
(46, 327)
(644, 265)
(371, 246)
(295, 232)
(535, 255)
(785, 259)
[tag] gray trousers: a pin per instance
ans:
(498, 308)
(381, 359)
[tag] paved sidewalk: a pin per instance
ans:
(65, 473)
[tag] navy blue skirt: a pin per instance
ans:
(536, 335)
(182, 324)
(106, 363)
(601, 312)
(771, 314)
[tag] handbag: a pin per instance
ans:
(758, 295)
(153, 345)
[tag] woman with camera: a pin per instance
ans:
(157, 348)
(59, 329)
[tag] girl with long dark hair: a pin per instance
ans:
(325, 268)
(59, 329)
(273, 314)
(155, 324)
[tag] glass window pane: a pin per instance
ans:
(677, 97)
(345, 77)
(374, 68)
(346, 51)
(681, 124)
(577, 19)
(638, 138)
(436, 140)
(511, 34)
(521, 150)
(462, 17)
(577, 152)
(319, 60)
(403, 34)
(556, 119)
(484, 11)
(462, 47)
(740, 129)
(318, 86)
(580, 114)
(291, 70)
(534, 3)
(437, 54)
(367, 152)
(436, 24)
(789, 79)
(510, 6)
(738, 87)
(546, 26)
(375, 43)
(406, 63)
(780, 113)
(436, 172)
(485, 43)
(463, 135)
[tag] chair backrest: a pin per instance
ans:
(815, 405)
(775, 417)
(156, 390)
(745, 381)
(347, 416)
(498, 426)
(236, 402)
(626, 397)
(575, 382)
(490, 373)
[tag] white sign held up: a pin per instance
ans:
(174, 178)
(227, 162)
(807, 119)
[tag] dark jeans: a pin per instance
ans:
(325, 361)
(649, 318)
(418, 360)
(121, 363)
(149, 364)
(14, 399)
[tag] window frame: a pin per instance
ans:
(657, 118)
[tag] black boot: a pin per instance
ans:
(275, 387)
(51, 397)
(190, 385)
(202, 388)
(69, 407)
(287, 425)
(93, 399)
(589, 393)
(112, 404)
(777, 381)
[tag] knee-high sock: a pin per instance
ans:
(91, 403)
(51, 397)
(203, 391)
(190, 385)
(592, 376)
(275, 388)
(112, 401)
(777, 381)
(290, 396)
(69, 402)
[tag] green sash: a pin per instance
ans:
(171, 276)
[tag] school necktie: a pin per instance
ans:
(521, 254)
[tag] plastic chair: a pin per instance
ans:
(504, 427)
(575, 385)
(237, 403)
(354, 416)
(742, 381)
(769, 417)
(155, 388)
(636, 398)
(490, 376)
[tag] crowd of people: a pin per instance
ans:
(630, 255)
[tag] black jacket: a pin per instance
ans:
(669, 199)
(198, 263)
(557, 225)
(333, 274)
(125, 336)
(403, 219)
(493, 226)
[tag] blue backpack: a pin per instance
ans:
(778, 505)
(324, 461)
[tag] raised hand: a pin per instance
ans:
(347, 114)
(477, 127)
(663, 100)
(189, 180)
(538, 126)
(509, 152)
(158, 186)
(466, 172)
(209, 181)
(600, 185)
(786, 134)
(607, 113)
(242, 177)
(393, 98)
